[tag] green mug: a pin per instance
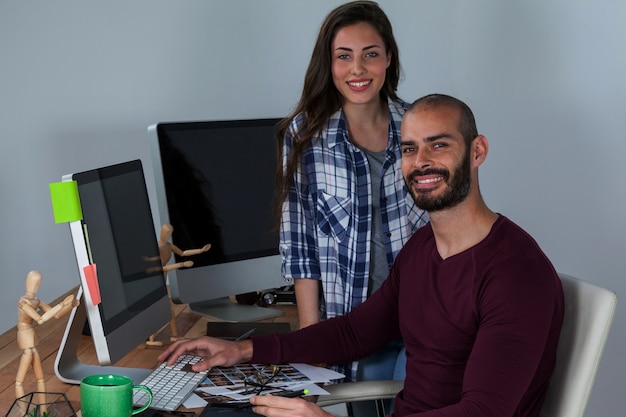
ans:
(110, 395)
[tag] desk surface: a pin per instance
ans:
(50, 334)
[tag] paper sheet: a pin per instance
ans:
(227, 383)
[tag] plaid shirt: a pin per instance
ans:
(326, 220)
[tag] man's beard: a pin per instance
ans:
(457, 191)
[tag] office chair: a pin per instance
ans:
(589, 311)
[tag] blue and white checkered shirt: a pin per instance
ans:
(326, 220)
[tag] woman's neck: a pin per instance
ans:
(368, 125)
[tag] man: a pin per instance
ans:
(477, 303)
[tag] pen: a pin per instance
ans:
(246, 334)
(292, 394)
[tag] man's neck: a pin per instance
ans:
(461, 227)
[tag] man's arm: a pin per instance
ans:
(342, 339)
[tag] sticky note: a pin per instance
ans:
(65, 201)
(91, 276)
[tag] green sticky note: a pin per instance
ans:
(65, 201)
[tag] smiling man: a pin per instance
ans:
(441, 152)
(477, 303)
(422, 176)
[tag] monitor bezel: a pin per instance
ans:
(190, 286)
(113, 345)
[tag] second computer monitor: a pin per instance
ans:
(215, 185)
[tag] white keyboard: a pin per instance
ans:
(170, 385)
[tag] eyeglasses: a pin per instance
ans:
(257, 383)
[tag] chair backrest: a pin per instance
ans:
(589, 311)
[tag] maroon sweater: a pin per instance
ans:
(480, 328)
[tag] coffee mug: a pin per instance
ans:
(110, 395)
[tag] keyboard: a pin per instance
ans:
(170, 385)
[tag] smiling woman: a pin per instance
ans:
(359, 64)
(344, 211)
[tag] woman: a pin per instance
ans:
(344, 211)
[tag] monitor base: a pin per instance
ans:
(224, 309)
(68, 367)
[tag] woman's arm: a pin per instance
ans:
(307, 300)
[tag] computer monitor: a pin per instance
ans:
(215, 184)
(127, 301)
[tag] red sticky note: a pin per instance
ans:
(92, 283)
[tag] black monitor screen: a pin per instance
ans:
(218, 176)
(119, 229)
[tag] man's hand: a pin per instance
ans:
(216, 352)
(276, 406)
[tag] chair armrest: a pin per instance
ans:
(359, 391)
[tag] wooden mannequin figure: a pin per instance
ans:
(28, 313)
(166, 249)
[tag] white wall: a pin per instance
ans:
(81, 80)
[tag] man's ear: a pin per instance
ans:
(480, 148)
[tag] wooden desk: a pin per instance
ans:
(50, 334)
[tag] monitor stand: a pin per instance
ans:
(224, 309)
(68, 368)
